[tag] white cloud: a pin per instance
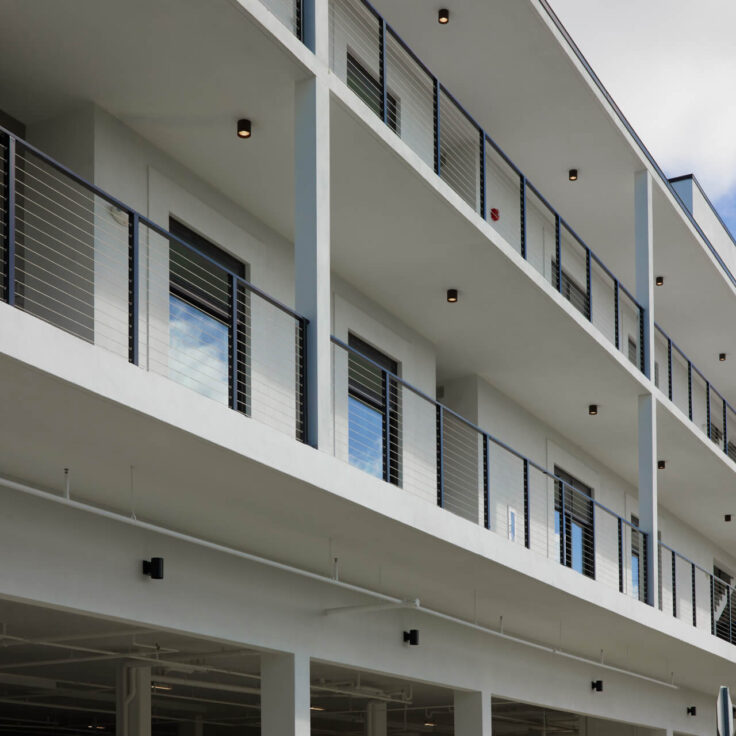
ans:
(671, 67)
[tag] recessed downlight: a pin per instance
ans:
(572, 175)
(443, 16)
(244, 128)
(452, 295)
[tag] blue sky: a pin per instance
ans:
(670, 65)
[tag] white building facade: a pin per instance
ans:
(362, 373)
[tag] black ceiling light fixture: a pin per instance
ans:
(722, 357)
(572, 175)
(154, 568)
(661, 464)
(244, 128)
(443, 16)
(597, 686)
(659, 280)
(692, 710)
(727, 517)
(452, 296)
(411, 637)
(593, 409)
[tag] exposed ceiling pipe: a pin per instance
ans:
(168, 680)
(156, 529)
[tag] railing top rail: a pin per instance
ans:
(418, 392)
(162, 231)
(695, 565)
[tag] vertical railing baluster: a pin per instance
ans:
(645, 567)
(588, 290)
(482, 165)
(725, 426)
(133, 286)
(437, 147)
(563, 522)
(558, 253)
(621, 556)
(674, 584)
(298, 19)
(669, 368)
(527, 540)
(692, 582)
(643, 344)
(382, 69)
(440, 457)
(386, 380)
(303, 379)
(522, 218)
(730, 614)
(10, 181)
(712, 606)
(486, 482)
(617, 313)
(233, 342)
(707, 408)
(690, 390)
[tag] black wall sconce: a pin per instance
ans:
(692, 710)
(411, 637)
(597, 686)
(154, 568)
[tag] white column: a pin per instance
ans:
(472, 713)
(376, 722)
(312, 249)
(285, 695)
(644, 239)
(133, 701)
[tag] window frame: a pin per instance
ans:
(366, 85)
(567, 484)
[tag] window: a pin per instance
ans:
(201, 342)
(574, 523)
(512, 524)
(575, 294)
(369, 89)
(373, 412)
(638, 573)
(722, 603)
(633, 353)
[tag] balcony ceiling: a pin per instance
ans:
(178, 72)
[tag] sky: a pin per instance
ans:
(670, 65)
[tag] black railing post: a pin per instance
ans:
(10, 180)
(617, 313)
(558, 253)
(588, 291)
(527, 540)
(133, 286)
(621, 556)
(707, 407)
(690, 390)
(522, 218)
(386, 426)
(233, 342)
(645, 557)
(643, 343)
(563, 522)
(725, 426)
(669, 368)
(303, 380)
(382, 70)
(482, 165)
(712, 606)
(730, 618)
(674, 584)
(298, 19)
(486, 482)
(440, 456)
(695, 606)
(437, 148)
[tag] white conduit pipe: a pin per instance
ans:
(154, 528)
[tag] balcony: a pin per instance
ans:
(88, 264)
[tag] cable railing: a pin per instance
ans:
(376, 64)
(691, 392)
(290, 13)
(392, 430)
(692, 594)
(81, 260)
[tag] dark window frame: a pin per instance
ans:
(573, 489)
(368, 88)
(386, 403)
(222, 266)
(571, 290)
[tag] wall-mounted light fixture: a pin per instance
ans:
(722, 357)
(593, 409)
(597, 686)
(154, 568)
(244, 128)
(572, 175)
(661, 464)
(727, 517)
(659, 280)
(411, 637)
(452, 295)
(443, 16)
(692, 710)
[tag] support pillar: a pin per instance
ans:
(133, 701)
(376, 722)
(312, 250)
(285, 695)
(647, 421)
(472, 713)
